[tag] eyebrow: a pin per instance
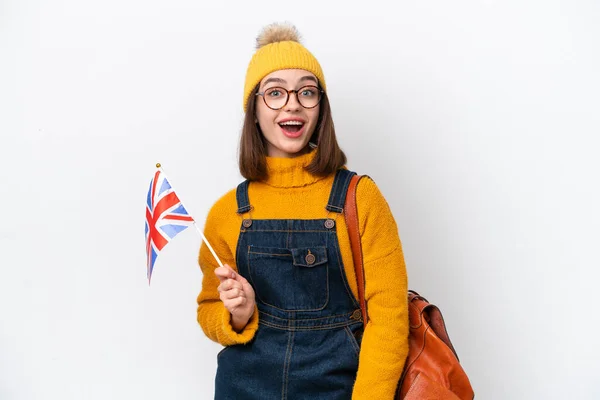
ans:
(279, 80)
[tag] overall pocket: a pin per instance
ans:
(293, 279)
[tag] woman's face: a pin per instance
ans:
(288, 129)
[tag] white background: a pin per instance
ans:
(479, 120)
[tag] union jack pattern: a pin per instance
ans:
(165, 218)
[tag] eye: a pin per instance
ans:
(307, 92)
(273, 92)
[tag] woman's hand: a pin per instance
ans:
(237, 295)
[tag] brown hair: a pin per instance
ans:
(253, 149)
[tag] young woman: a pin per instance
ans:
(285, 304)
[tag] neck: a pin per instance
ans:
(290, 172)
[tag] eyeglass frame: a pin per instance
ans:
(288, 92)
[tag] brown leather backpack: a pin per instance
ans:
(432, 370)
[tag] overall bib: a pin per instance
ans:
(310, 325)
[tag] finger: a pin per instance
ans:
(235, 303)
(228, 284)
(233, 293)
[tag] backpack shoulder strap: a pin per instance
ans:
(351, 216)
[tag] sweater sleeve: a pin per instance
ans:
(213, 317)
(384, 345)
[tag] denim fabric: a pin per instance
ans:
(308, 339)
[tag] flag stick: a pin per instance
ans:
(196, 226)
(208, 244)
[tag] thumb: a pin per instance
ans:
(240, 278)
(245, 284)
(225, 272)
(232, 273)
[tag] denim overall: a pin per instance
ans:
(310, 325)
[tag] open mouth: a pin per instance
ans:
(292, 128)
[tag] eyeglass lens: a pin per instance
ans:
(307, 96)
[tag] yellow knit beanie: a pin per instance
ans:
(278, 47)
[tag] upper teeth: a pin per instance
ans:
(291, 123)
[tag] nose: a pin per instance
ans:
(293, 104)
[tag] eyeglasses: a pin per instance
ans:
(276, 97)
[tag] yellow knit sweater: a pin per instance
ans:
(292, 193)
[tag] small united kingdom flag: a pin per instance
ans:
(165, 217)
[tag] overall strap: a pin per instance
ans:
(241, 195)
(337, 197)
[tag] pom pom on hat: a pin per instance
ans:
(278, 47)
(277, 33)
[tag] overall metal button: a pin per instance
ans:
(357, 315)
(310, 258)
(247, 223)
(329, 224)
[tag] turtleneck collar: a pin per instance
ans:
(290, 172)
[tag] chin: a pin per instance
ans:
(292, 150)
(296, 149)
